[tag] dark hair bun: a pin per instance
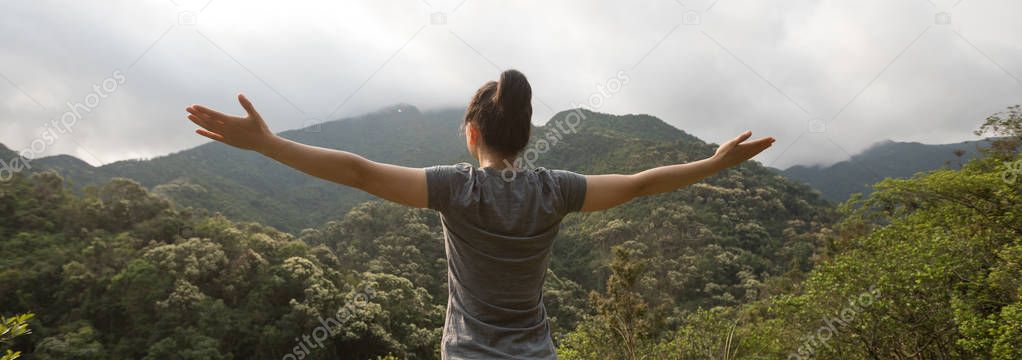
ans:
(514, 94)
(503, 112)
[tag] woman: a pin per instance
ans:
(498, 229)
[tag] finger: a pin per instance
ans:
(205, 124)
(209, 134)
(758, 145)
(763, 141)
(213, 114)
(752, 148)
(743, 136)
(201, 115)
(731, 144)
(247, 105)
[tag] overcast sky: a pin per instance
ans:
(826, 78)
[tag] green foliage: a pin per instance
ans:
(939, 250)
(120, 273)
(725, 333)
(623, 318)
(1007, 127)
(117, 271)
(11, 328)
(74, 341)
(928, 267)
(625, 325)
(710, 244)
(745, 265)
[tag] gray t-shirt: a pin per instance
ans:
(498, 230)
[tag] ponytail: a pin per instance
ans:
(502, 111)
(514, 94)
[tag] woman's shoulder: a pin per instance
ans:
(449, 171)
(466, 170)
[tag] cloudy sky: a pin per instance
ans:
(826, 78)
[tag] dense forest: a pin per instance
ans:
(922, 268)
(98, 264)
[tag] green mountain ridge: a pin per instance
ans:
(214, 176)
(885, 159)
(246, 186)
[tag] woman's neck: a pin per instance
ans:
(489, 160)
(495, 163)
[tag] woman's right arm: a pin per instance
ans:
(607, 191)
(403, 185)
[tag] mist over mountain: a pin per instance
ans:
(885, 159)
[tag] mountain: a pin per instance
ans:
(140, 268)
(747, 262)
(887, 159)
(246, 186)
(723, 211)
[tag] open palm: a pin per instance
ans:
(737, 150)
(246, 132)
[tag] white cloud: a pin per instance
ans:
(733, 71)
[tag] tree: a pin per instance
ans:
(1006, 127)
(11, 328)
(623, 321)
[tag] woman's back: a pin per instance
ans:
(498, 228)
(498, 224)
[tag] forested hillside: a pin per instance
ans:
(141, 278)
(119, 273)
(744, 265)
(923, 268)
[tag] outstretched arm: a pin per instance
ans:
(607, 191)
(399, 184)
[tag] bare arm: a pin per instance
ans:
(607, 191)
(399, 184)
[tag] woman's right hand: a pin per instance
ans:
(737, 150)
(248, 132)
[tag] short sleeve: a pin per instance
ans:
(573, 189)
(440, 185)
